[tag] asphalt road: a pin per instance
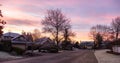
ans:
(80, 56)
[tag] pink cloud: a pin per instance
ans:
(17, 14)
(83, 13)
(19, 29)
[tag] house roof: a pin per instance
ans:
(20, 39)
(11, 34)
(44, 40)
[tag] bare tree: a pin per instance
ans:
(1, 22)
(67, 36)
(29, 37)
(116, 27)
(32, 37)
(103, 30)
(1, 14)
(98, 40)
(36, 34)
(99, 33)
(68, 33)
(54, 23)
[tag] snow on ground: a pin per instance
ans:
(104, 57)
(7, 56)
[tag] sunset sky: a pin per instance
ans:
(27, 14)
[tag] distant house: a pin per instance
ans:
(87, 45)
(46, 45)
(44, 41)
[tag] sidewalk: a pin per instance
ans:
(104, 57)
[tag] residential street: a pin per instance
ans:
(80, 56)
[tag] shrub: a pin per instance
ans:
(66, 45)
(18, 51)
(116, 42)
(6, 45)
(1, 47)
(53, 49)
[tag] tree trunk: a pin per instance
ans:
(116, 35)
(57, 36)
(66, 34)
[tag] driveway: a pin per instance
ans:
(80, 56)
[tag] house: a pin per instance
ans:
(45, 41)
(86, 45)
(46, 45)
(21, 42)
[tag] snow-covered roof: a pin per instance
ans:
(20, 39)
(11, 34)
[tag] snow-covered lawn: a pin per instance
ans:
(104, 57)
(6, 56)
